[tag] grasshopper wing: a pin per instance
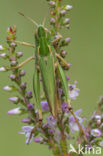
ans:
(63, 81)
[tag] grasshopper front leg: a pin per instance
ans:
(22, 64)
(23, 43)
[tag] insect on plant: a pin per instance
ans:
(50, 117)
(47, 67)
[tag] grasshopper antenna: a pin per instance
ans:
(30, 19)
(43, 23)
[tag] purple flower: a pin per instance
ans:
(41, 79)
(44, 106)
(51, 131)
(30, 106)
(52, 20)
(2, 69)
(68, 7)
(51, 121)
(12, 77)
(3, 55)
(15, 111)
(69, 65)
(96, 132)
(65, 108)
(8, 88)
(73, 91)
(14, 99)
(63, 53)
(66, 21)
(38, 139)
(29, 94)
(26, 120)
(13, 44)
(52, 3)
(68, 78)
(63, 12)
(13, 63)
(97, 117)
(27, 130)
(19, 54)
(72, 123)
(67, 40)
(45, 125)
(23, 85)
(22, 72)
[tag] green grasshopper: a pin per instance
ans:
(46, 65)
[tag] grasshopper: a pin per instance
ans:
(47, 66)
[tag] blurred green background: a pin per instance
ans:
(85, 53)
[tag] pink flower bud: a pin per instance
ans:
(63, 12)
(3, 55)
(8, 88)
(14, 99)
(68, 7)
(19, 54)
(15, 111)
(12, 77)
(2, 69)
(52, 20)
(52, 3)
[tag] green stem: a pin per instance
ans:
(56, 152)
(63, 145)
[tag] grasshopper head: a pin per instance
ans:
(41, 31)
